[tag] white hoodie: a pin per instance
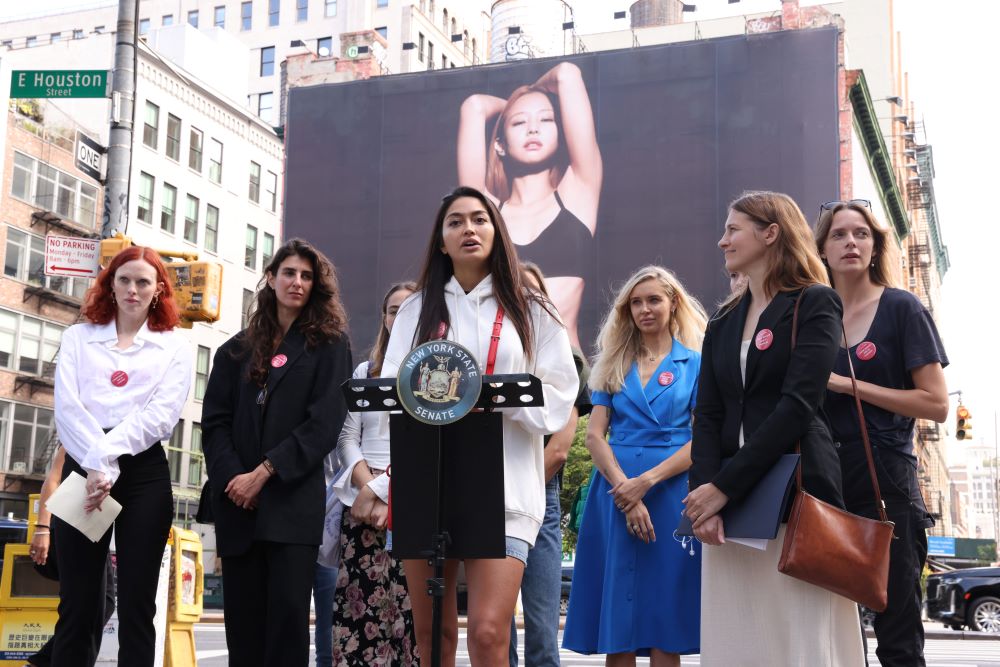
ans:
(472, 316)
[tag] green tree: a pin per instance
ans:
(576, 473)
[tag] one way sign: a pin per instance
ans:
(72, 256)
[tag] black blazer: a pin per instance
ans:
(781, 403)
(295, 430)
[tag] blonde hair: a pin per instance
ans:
(792, 260)
(883, 254)
(619, 341)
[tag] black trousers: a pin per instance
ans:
(141, 531)
(899, 629)
(266, 604)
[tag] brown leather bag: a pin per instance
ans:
(832, 548)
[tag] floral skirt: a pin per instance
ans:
(372, 618)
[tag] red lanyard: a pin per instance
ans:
(491, 358)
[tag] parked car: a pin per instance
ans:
(966, 598)
(567, 581)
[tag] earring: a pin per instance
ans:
(113, 299)
(156, 300)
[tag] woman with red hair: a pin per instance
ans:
(121, 380)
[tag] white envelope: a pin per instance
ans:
(66, 502)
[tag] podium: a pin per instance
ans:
(447, 481)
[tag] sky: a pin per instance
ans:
(950, 50)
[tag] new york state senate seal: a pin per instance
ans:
(439, 382)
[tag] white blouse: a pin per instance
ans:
(137, 393)
(364, 437)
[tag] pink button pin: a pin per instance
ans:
(866, 351)
(666, 378)
(278, 360)
(763, 339)
(119, 378)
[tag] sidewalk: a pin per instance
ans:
(931, 630)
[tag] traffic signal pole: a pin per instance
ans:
(116, 186)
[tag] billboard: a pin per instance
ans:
(607, 162)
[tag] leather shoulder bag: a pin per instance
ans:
(830, 547)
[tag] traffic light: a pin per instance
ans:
(963, 423)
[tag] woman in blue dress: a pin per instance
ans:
(633, 594)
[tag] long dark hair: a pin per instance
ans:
(322, 319)
(382, 340)
(508, 287)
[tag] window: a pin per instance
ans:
(329, 8)
(27, 344)
(272, 190)
(248, 304)
(195, 149)
(143, 27)
(382, 3)
(146, 183)
(173, 137)
(267, 250)
(168, 208)
(250, 256)
(193, 18)
(246, 16)
(267, 61)
(265, 106)
(175, 452)
(31, 41)
(55, 37)
(301, 10)
(191, 219)
(196, 459)
(7, 44)
(430, 55)
(384, 31)
(474, 56)
(24, 260)
(201, 372)
(215, 161)
(273, 12)
(254, 182)
(40, 184)
(444, 61)
(220, 16)
(25, 431)
(168, 19)
(78, 34)
(444, 20)
(465, 43)
(420, 46)
(454, 27)
(324, 46)
(211, 228)
(151, 128)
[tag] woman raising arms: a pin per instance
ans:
(542, 167)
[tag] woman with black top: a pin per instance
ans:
(542, 167)
(757, 398)
(121, 381)
(271, 413)
(898, 359)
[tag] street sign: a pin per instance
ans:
(59, 83)
(88, 155)
(940, 546)
(72, 256)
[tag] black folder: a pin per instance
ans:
(759, 513)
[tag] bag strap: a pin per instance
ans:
(861, 416)
(491, 358)
(879, 503)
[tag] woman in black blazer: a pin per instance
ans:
(271, 413)
(757, 397)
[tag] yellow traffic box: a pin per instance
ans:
(197, 289)
(187, 585)
(28, 607)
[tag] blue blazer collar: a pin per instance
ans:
(633, 388)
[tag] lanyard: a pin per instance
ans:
(491, 358)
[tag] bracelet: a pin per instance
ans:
(37, 534)
(40, 525)
(268, 467)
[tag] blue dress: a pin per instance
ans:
(629, 596)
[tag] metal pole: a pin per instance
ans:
(995, 478)
(116, 186)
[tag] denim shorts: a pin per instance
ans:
(517, 548)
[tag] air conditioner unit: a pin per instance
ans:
(913, 283)
(19, 467)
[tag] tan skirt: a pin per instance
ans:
(754, 616)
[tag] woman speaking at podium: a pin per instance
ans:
(470, 272)
(271, 413)
(121, 381)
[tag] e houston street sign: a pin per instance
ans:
(59, 83)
